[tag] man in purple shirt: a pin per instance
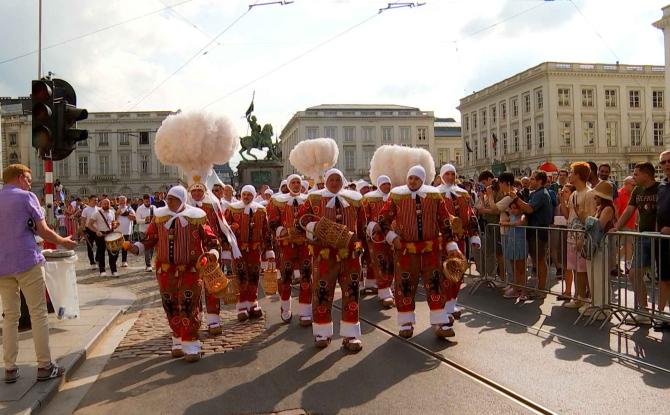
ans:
(21, 268)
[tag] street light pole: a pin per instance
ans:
(48, 163)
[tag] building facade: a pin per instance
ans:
(448, 142)
(359, 130)
(565, 112)
(117, 158)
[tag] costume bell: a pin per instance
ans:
(295, 261)
(414, 219)
(335, 265)
(180, 235)
(249, 222)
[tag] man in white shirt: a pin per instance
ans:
(88, 234)
(125, 215)
(144, 216)
(102, 223)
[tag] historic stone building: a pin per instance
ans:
(448, 142)
(563, 112)
(359, 130)
(118, 157)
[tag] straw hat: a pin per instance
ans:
(603, 190)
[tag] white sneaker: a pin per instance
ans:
(103, 274)
(147, 269)
(115, 275)
(124, 265)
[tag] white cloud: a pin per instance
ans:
(404, 56)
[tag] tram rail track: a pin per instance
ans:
(473, 375)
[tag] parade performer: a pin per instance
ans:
(283, 211)
(332, 265)
(380, 253)
(249, 221)
(181, 235)
(459, 206)
(195, 141)
(199, 197)
(414, 219)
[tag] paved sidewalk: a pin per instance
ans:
(101, 302)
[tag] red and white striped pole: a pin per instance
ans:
(49, 197)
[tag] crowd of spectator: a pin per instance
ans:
(525, 228)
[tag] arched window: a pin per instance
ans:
(13, 158)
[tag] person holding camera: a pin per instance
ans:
(489, 214)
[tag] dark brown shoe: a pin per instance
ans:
(256, 313)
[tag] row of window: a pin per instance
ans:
(444, 156)
(493, 110)
(368, 152)
(564, 100)
(516, 144)
(124, 138)
(611, 129)
(565, 134)
(368, 134)
(611, 98)
(62, 168)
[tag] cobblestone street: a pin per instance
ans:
(150, 334)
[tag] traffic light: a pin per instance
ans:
(55, 116)
(45, 126)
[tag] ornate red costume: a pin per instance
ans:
(179, 239)
(250, 224)
(381, 253)
(415, 221)
(295, 261)
(333, 265)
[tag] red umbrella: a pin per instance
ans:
(548, 167)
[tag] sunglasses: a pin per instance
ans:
(664, 162)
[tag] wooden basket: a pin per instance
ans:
(232, 292)
(456, 226)
(332, 234)
(212, 276)
(269, 281)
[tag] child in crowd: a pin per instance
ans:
(516, 251)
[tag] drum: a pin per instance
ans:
(114, 241)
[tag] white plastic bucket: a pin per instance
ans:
(61, 281)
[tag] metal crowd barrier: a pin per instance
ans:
(614, 285)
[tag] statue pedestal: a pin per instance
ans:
(260, 172)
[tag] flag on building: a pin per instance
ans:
(467, 146)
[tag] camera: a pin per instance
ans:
(495, 185)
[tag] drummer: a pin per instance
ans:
(102, 223)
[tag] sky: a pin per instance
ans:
(124, 55)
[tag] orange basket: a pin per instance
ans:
(232, 292)
(212, 276)
(269, 281)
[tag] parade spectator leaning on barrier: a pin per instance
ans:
(620, 204)
(486, 207)
(540, 214)
(576, 208)
(643, 200)
(663, 224)
(21, 269)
